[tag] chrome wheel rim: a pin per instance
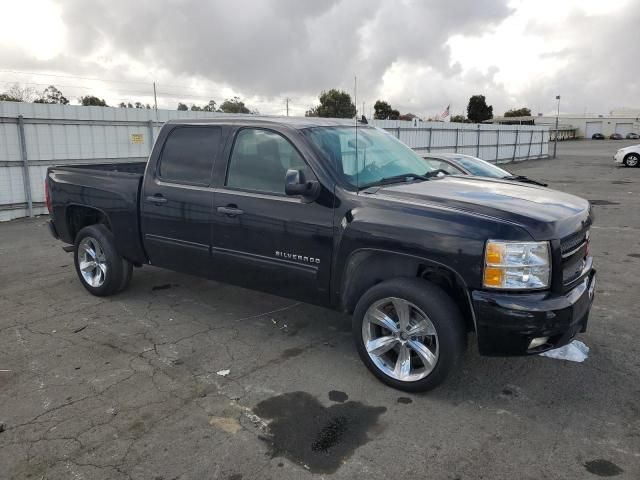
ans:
(632, 160)
(400, 339)
(92, 262)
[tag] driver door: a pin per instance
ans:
(262, 238)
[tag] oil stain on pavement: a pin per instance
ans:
(603, 468)
(338, 396)
(317, 437)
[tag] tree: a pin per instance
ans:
(182, 107)
(92, 101)
(19, 94)
(210, 107)
(459, 119)
(5, 97)
(196, 108)
(478, 111)
(52, 95)
(408, 116)
(333, 104)
(383, 111)
(234, 105)
(138, 105)
(520, 112)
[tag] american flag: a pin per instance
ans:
(445, 114)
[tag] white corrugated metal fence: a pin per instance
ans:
(34, 137)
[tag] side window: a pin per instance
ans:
(260, 160)
(437, 164)
(188, 155)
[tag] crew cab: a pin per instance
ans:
(347, 217)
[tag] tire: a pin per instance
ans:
(425, 301)
(632, 160)
(105, 270)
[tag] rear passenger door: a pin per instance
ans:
(177, 198)
(262, 238)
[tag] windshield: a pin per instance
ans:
(481, 168)
(376, 156)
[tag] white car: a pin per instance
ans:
(629, 156)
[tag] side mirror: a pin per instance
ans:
(296, 184)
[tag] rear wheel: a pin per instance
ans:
(632, 160)
(409, 333)
(101, 270)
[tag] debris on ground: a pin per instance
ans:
(223, 373)
(576, 351)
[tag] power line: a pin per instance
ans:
(79, 77)
(20, 72)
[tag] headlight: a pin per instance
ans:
(517, 265)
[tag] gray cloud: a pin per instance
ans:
(602, 70)
(265, 50)
(279, 47)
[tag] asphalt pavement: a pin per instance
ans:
(184, 378)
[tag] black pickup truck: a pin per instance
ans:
(343, 216)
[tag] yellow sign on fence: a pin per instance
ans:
(137, 138)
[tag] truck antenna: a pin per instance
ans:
(355, 103)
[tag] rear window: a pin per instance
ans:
(188, 155)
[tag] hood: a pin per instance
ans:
(543, 212)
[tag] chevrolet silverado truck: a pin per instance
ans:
(343, 216)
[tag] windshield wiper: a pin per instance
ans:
(523, 179)
(404, 178)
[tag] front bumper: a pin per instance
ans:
(506, 322)
(618, 157)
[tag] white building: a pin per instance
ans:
(618, 121)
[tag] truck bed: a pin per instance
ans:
(109, 189)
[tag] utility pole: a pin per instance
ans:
(363, 108)
(555, 143)
(155, 100)
(287, 100)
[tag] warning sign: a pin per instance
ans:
(137, 138)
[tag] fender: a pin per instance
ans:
(367, 266)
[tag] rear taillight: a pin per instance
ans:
(47, 195)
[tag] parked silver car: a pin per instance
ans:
(460, 164)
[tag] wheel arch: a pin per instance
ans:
(79, 216)
(367, 267)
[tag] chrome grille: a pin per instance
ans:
(574, 250)
(573, 241)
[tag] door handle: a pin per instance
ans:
(156, 199)
(230, 211)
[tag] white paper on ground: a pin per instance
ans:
(223, 373)
(576, 351)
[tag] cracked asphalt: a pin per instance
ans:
(134, 386)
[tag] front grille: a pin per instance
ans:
(574, 250)
(571, 242)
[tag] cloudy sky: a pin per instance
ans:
(419, 55)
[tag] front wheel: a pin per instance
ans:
(632, 160)
(100, 268)
(409, 333)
